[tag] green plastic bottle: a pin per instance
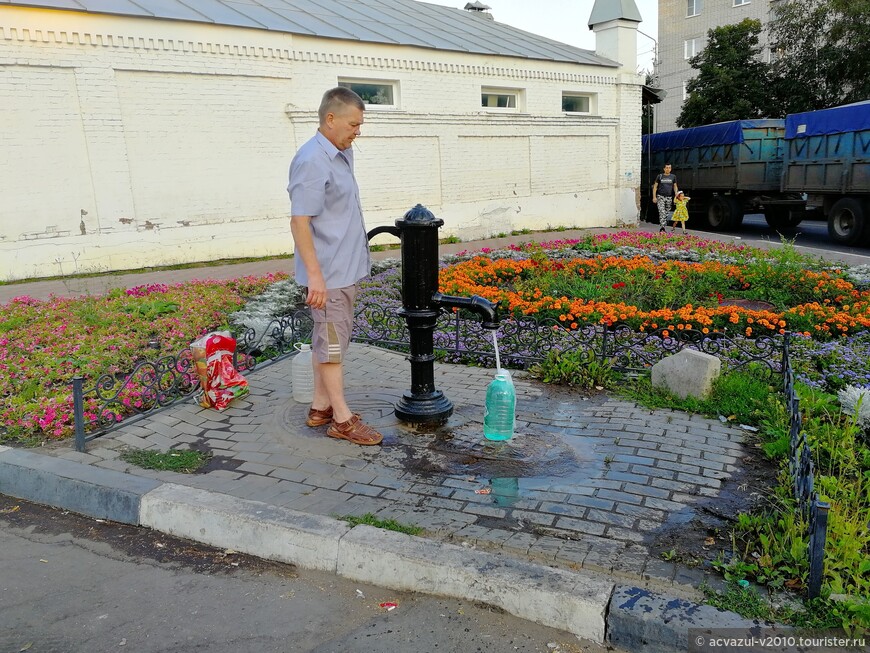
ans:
(499, 411)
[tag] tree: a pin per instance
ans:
(820, 55)
(732, 80)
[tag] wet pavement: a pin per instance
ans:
(586, 483)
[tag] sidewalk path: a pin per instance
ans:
(98, 285)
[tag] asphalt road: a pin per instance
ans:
(809, 237)
(70, 584)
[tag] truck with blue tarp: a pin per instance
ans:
(827, 158)
(814, 164)
(728, 169)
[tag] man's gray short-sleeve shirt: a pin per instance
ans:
(323, 186)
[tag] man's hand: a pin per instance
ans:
(300, 226)
(316, 292)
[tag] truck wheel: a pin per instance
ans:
(723, 212)
(847, 222)
(781, 217)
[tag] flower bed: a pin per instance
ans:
(43, 344)
(674, 295)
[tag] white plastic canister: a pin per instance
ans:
(302, 374)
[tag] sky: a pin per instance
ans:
(566, 21)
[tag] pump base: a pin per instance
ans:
(432, 408)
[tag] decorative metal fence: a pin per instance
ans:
(155, 383)
(801, 470)
(459, 337)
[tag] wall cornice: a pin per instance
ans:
(93, 39)
(373, 116)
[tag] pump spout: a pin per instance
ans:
(487, 311)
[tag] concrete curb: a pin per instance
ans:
(95, 492)
(270, 532)
(574, 602)
(584, 604)
(640, 620)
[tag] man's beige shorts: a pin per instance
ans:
(333, 325)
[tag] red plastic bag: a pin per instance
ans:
(219, 380)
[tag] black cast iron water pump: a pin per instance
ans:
(421, 305)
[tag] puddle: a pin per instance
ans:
(535, 459)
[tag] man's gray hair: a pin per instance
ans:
(336, 99)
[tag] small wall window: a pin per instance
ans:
(690, 48)
(576, 103)
(375, 93)
(500, 98)
(693, 8)
(738, 3)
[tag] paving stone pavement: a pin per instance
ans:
(586, 482)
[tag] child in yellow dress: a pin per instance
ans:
(681, 213)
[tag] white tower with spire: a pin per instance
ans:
(615, 23)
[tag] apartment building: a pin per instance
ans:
(683, 27)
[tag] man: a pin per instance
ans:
(664, 190)
(332, 255)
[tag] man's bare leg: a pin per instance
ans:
(329, 390)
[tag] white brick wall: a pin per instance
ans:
(176, 138)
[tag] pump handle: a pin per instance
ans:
(384, 230)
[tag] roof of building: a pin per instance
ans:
(395, 22)
(606, 10)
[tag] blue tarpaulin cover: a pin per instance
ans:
(838, 120)
(721, 133)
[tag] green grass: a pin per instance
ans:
(737, 395)
(387, 524)
(185, 462)
(574, 369)
(819, 614)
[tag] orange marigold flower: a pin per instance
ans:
(573, 325)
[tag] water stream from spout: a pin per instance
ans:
(495, 344)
